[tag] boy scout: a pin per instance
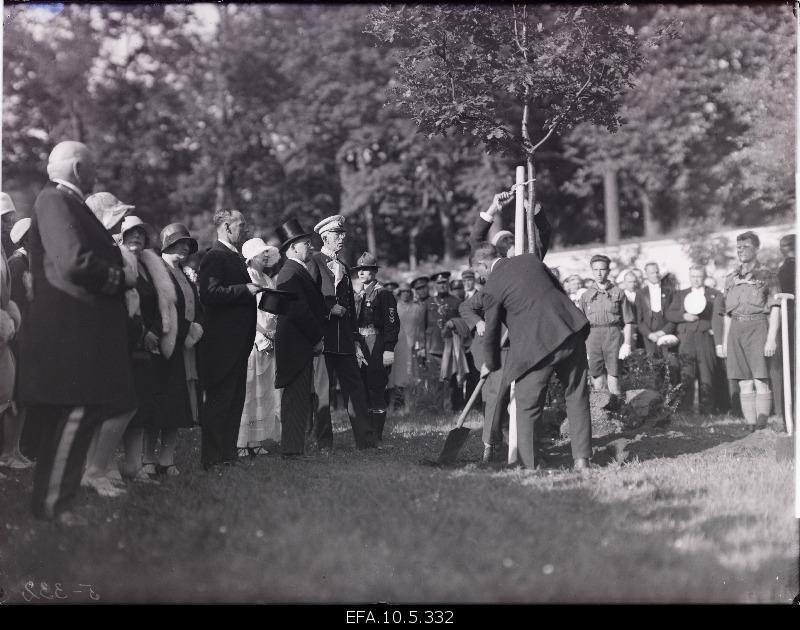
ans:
(611, 319)
(379, 326)
(752, 320)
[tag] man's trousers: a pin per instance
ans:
(570, 365)
(345, 367)
(297, 405)
(66, 433)
(222, 416)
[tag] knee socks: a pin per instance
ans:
(763, 408)
(748, 407)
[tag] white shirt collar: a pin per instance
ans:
(228, 245)
(71, 186)
(329, 253)
(294, 258)
(655, 296)
(700, 290)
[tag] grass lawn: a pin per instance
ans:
(698, 512)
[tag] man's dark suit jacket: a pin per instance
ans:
(341, 333)
(230, 313)
(675, 312)
(480, 232)
(522, 294)
(73, 348)
(649, 322)
(301, 328)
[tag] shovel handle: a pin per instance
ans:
(477, 390)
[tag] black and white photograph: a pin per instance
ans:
(399, 308)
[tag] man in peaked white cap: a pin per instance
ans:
(342, 353)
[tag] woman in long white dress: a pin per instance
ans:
(262, 403)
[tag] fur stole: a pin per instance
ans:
(167, 300)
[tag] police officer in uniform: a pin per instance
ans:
(379, 327)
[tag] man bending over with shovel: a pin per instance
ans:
(547, 334)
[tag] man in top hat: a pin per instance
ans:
(379, 327)
(74, 367)
(227, 294)
(750, 334)
(299, 337)
(439, 311)
(470, 286)
(691, 310)
(341, 336)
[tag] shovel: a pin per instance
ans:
(456, 438)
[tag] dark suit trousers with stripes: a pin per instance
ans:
(66, 433)
(571, 367)
(296, 408)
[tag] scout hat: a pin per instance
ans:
(175, 232)
(290, 232)
(366, 261)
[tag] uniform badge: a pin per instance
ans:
(391, 315)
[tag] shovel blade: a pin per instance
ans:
(452, 445)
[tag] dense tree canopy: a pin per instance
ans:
(301, 110)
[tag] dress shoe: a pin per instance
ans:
(582, 463)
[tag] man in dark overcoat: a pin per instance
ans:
(547, 334)
(74, 369)
(298, 338)
(227, 294)
(341, 353)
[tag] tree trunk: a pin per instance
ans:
(369, 217)
(651, 225)
(412, 248)
(534, 240)
(447, 230)
(611, 206)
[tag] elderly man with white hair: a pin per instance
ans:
(74, 366)
(262, 402)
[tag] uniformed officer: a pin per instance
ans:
(752, 320)
(440, 309)
(379, 326)
(422, 296)
(470, 286)
(611, 318)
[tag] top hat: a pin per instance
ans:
(107, 208)
(418, 282)
(19, 230)
(330, 224)
(175, 232)
(366, 261)
(276, 301)
(441, 276)
(290, 232)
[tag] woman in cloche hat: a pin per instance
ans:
(262, 403)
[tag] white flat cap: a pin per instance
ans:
(331, 224)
